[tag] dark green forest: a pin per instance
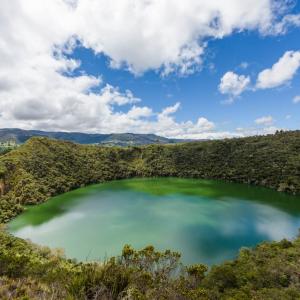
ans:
(42, 168)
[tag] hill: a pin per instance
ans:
(44, 167)
(20, 136)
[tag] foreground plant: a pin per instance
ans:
(269, 271)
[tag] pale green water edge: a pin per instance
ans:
(207, 221)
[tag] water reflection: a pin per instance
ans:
(207, 221)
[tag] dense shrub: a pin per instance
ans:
(270, 271)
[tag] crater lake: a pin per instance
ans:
(206, 221)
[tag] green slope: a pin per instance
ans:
(42, 168)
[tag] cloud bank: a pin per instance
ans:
(38, 88)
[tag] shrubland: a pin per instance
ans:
(269, 271)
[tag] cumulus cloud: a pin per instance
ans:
(296, 99)
(165, 34)
(166, 125)
(137, 112)
(281, 72)
(38, 88)
(233, 84)
(266, 120)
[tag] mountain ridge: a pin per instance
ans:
(20, 136)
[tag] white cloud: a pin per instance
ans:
(286, 22)
(137, 112)
(146, 34)
(296, 99)
(281, 72)
(166, 125)
(38, 88)
(266, 121)
(257, 131)
(233, 84)
(165, 33)
(244, 65)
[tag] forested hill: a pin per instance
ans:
(20, 136)
(42, 167)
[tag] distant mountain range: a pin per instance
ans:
(20, 136)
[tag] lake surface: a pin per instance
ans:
(207, 221)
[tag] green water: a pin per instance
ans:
(207, 221)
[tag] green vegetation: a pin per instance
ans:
(270, 271)
(42, 168)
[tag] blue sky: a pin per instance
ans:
(198, 93)
(105, 60)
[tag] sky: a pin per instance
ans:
(181, 69)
